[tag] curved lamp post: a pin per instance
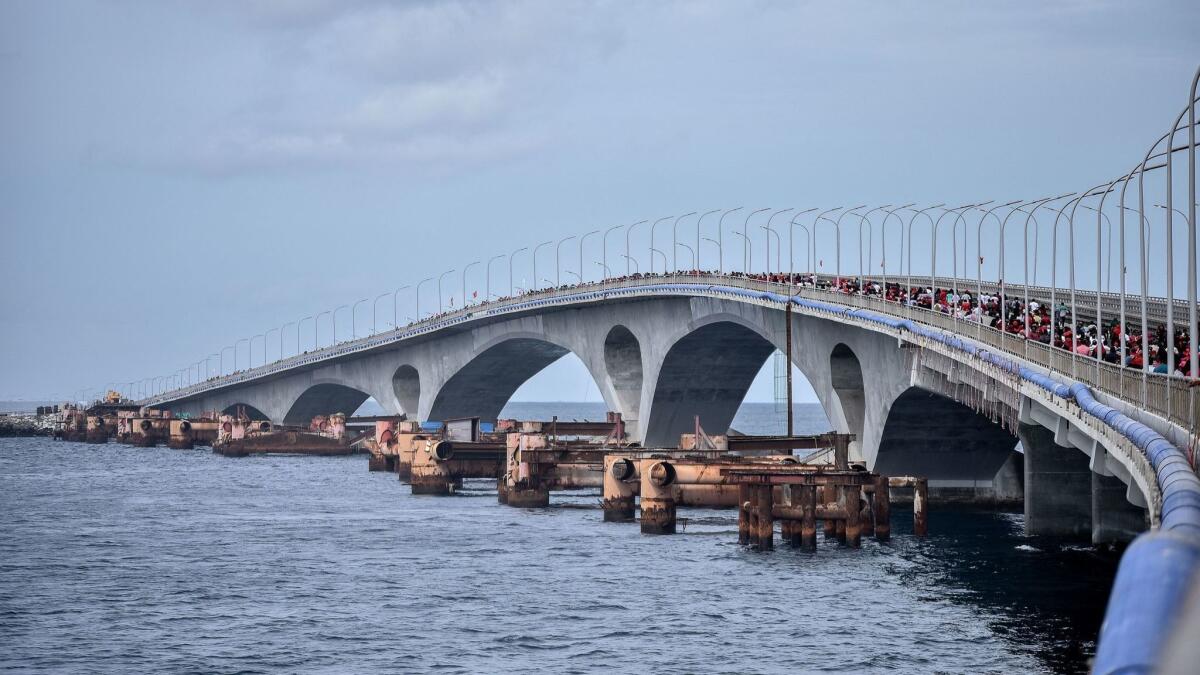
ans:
(557, 258)
(439, 287)
(628, 258)
(778, 243)
(604, 249)
(747, 253)
(721, 239)
(582, 239)
(464, 280)
(653, 227)
(510, 268)
(396, 307)
(808, 249)
(487, 282)
(375, 312)
(534, 256)
(698, 221)
(675, 240)
(417, 298)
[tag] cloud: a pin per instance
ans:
(411, 84)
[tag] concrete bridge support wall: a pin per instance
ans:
(1058, 486)
(1114, 519)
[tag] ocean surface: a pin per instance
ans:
(120, 559)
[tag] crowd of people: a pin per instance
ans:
(1038, 321)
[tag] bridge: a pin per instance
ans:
(937, 376)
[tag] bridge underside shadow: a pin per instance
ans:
(705, 373)
(324, 399)
(482, 387)
(962, 452)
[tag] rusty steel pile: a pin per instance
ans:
(758, 475)
(233, 434)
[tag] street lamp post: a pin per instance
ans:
(316, 329)
(375, 312)
(282, 330)
(396, 307)
(354, 319)
(698, 237)
(746, 252)
(604, 249)
(816, 229)
(557, 263)
(837, 225)
(235, 352)
(791, 235)
(675, 239)
(487, 282)
(779, 246)
(628, 258)
(582, 239)
(333, 320)
(417, 298)
(510, 268)
(721, 239)
(690, 250)
(464, 281)
(439, 286)
(653, 227)
(300, 324)
(264, 348)
(535, 250)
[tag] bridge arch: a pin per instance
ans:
(484, 384)
(406, 385)
(958, 449)
(324, 399)
(707, 373)
(846, 381)
(250, 411)
(623, 364)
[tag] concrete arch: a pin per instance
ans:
(482, 386)
(958, 449)
(623, 365)
(846, 380)
(406, 385)
(250, 411)
(324, 399)
(707, 373)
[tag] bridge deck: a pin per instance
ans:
(1168, 397)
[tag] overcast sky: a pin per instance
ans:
(179, 175)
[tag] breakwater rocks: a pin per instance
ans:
(25, 424)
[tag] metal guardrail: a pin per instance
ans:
(1168, 397)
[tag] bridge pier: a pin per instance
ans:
(1114, 519)
(1058, 486)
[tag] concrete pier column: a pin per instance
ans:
(620, 474)
(1114, 519)
(657, 497)
(1058, 486)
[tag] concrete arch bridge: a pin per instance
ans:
(920, 398)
